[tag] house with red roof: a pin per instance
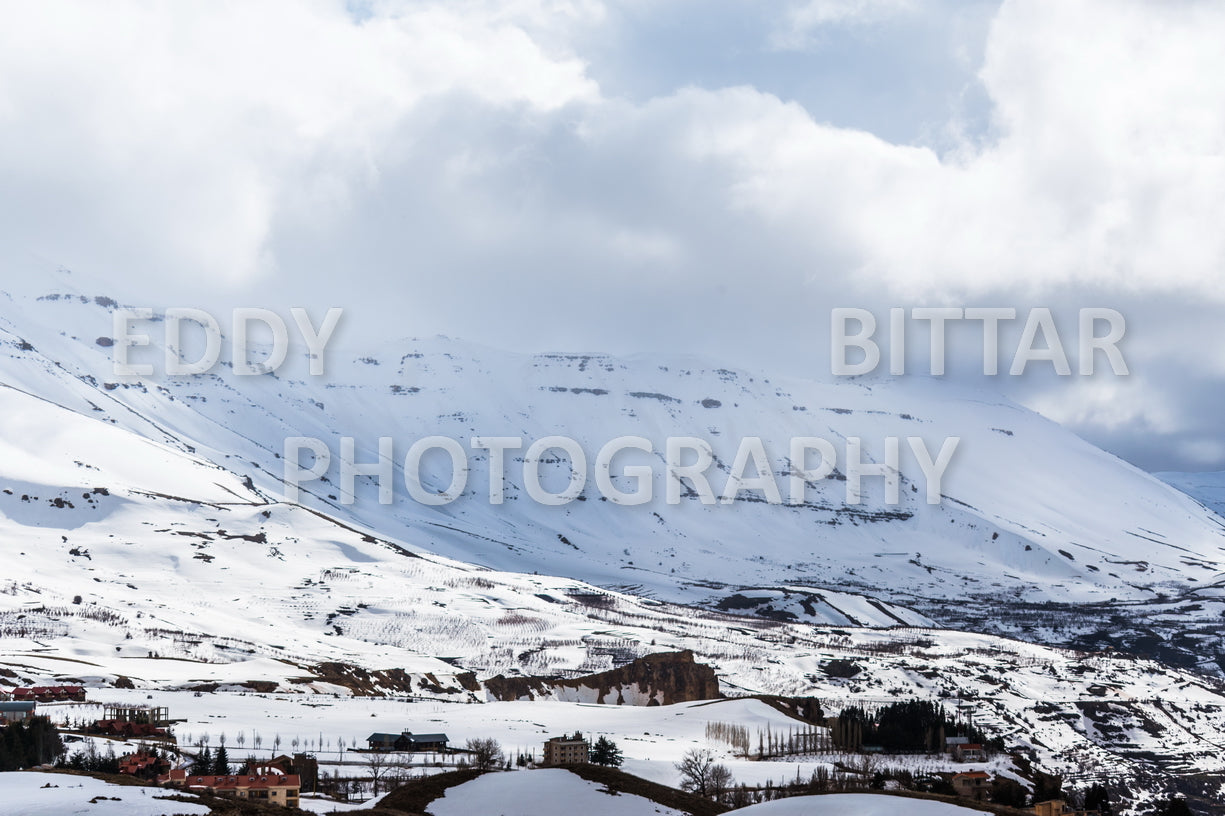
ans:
(143, 765)
(970, 752)
(48, 694)
(273, 788)
(974, 785)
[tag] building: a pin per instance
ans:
(379, 741)
(143, 765)
(303, 766)
(48, 694)
(423, 743)
(974, 785)
(566, 750)
(969, 752)
(408, 741)
(16, 712)
(129, 721)
(275, 789)
(157, 716)
(126, 729)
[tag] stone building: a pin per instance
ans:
(566, 750)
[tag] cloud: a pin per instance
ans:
(803, 22)
(140, 135)
(1105, 166)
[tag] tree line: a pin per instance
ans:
(909, 726)
(29, 742)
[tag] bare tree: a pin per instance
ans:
(377, 763)
(719, 781)
(486, 752)
(396, 777)
(695, 767)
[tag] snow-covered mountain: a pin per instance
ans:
(1030, 513)
(149, 544)
(203, 585)
(1207, 488)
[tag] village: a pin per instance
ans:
(857, 750)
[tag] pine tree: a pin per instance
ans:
(32, 742)
(14, 748)
(221, 763)
(1174, 807)
(203, 765)
(606, 752)
(1098, 798)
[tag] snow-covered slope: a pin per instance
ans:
(1038, 533)
(177, 576)
(53, 794)
(847, 804)
(545, 792)
(1206, 488)
(185, 576)
(1030, 512)
(148, 545)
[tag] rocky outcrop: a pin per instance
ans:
(658, 679)
(804, 709)
(394, 682)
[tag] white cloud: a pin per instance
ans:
(1107, 163)
(173, 136)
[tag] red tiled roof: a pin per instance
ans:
(234, 781)
(47, 690)
(138, 763)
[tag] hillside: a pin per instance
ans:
(1030, 514)
(153, 551)
(1206, 488)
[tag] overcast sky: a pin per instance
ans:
(673, 175)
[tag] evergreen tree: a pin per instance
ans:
(24, 744)
(1098, 798)
(203, 764)
(221, 762)
(1174, 806)
(12, 749)
(91, 760)
(606, 752)
(1047, 787)
(1008, 792)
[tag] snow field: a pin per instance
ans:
(51, 794)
